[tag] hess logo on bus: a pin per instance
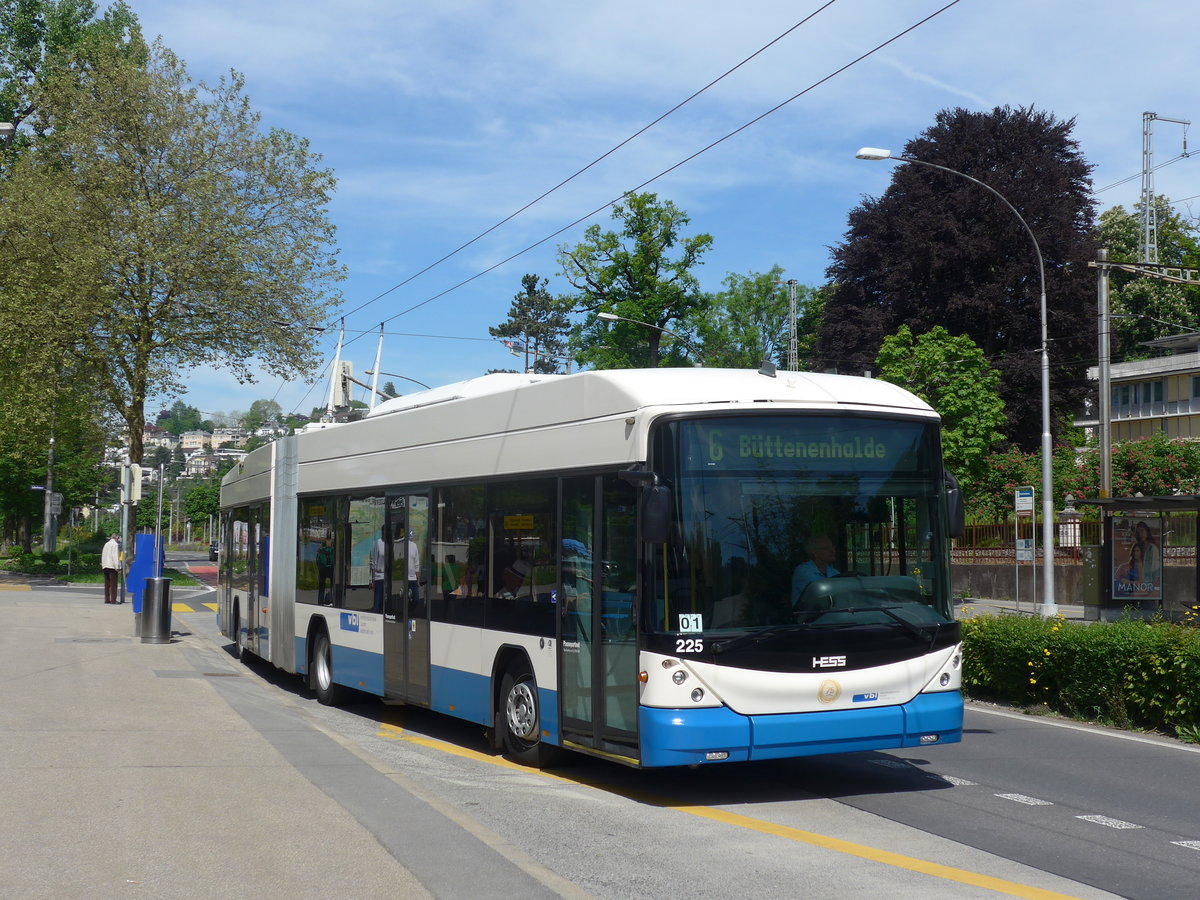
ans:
(829, 662)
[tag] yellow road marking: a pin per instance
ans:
(837, 845)
(210, 606)
(14, 587)
(181, 607)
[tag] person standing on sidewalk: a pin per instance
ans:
(110, 561)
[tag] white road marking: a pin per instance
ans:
(1028, 801)
(1106, 821)
(1191, 845)
(953, 779)
(1089, 729)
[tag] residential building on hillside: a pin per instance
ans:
(235, 436)
(195, 440)
(153, 436)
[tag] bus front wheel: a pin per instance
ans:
(519, 720)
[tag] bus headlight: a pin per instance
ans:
(945, 679)
(679, 676)
(697, 695)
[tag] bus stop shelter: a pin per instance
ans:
(1128, 571)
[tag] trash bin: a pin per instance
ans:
(156, 611)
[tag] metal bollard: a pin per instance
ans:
(156, 611)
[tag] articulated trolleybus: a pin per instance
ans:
(661, 567)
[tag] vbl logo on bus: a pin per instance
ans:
(349, 621)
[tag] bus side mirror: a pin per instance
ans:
(656, 514)
(956, 517)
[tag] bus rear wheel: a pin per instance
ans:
(320, 667)
(518, 720)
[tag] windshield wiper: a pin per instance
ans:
(914, 631)
(755, 637)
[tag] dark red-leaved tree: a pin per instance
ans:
(936, 249)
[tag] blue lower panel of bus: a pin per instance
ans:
(682, 737)
(469, 697)
(359, 669)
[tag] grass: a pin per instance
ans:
(178, 578)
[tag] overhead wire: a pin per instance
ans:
(679, 164)
(1161, 165)
(597, 160)
(858, 59)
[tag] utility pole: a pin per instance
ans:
(1105, 405)
(793, 348)
(1149, 247)
(52, 505)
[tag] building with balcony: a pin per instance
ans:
(1161, 394)
(195, 440)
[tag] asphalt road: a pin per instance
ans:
(1103, 808)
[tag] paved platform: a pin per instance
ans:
(124, 773)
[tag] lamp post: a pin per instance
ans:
(7, 130)
(613, 317)
(1049, 607)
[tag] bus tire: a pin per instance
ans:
(320, 668)
(518, 720)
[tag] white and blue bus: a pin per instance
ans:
(660, 567)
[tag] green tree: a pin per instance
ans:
(952, 375)
(180, 418)
(262, 412)
(39, 36)
(1142, 306)
(630, 272)
(936, 249)
(202, 500)
(535, 326)
(164, 230)
(747, 323)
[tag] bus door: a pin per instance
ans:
(406, 607)
(254, 563)
(598, 644)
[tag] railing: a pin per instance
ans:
(994, 542)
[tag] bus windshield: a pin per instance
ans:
(801, 521)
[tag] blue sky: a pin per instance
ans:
(442, 118)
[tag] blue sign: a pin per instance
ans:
(349, 621)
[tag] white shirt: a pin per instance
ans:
(378, 559)
(110, 555)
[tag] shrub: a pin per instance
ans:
(1127, 673)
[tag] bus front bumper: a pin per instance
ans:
(686, 737)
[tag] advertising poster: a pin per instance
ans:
(1137, 557)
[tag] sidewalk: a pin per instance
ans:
(979, 606)
(123, 772)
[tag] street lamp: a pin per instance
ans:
(613, 317)
(1049, 608)
(7, 129)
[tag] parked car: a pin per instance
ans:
(213, 549)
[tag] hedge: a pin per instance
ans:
(1128, 673)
